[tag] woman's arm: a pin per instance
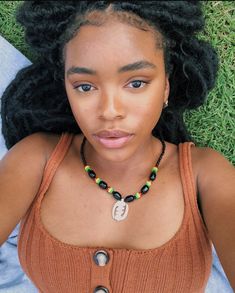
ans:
(21, 171)
(216, 186)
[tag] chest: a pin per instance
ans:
(76, 211)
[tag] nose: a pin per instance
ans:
(111, 107)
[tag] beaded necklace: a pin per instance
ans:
(120, 208)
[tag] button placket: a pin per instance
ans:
(100, 270)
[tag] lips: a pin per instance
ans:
(113, 143)
(112, 133)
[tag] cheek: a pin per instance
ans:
(73, 102)
(82, 113)
(150, 108)
(81, 109)
(151, 102)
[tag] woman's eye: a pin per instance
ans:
(83, 87)
(137, 83)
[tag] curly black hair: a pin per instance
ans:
(36, 99)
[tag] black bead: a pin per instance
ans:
(92, 174)
(103, 185)
(144, 189)
(117, 195)
(129, 198)
(152, 176)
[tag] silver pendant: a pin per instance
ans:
(120, 210)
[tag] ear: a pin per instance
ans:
(167, 89)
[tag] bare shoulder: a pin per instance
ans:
(216, 185)
(45, 141)
(209, 164)
(215, 175)
(40, 143)
(50, 140)
(21, 172)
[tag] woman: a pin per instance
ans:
(117, 66)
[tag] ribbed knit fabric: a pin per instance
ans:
(181, 265)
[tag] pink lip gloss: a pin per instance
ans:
(113, 142)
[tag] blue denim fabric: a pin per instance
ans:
(12, 278)
(218, 282)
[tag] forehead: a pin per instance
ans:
(105, 41)
(111, 42)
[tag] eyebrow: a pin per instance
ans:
(129, 67)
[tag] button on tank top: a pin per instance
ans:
(181, 265)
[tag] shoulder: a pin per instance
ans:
(216, 185)
(36, 145)
(210, 164)
(214, 173)
(21, 172)
(44, 142)
(38, 140)
(214, 177)
(215, 182)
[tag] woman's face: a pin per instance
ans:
(111, 93)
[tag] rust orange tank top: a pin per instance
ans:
(181, 265)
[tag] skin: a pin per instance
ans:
(72, 203)
(112, 102)
(112, 98)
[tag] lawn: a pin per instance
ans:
(212, 124)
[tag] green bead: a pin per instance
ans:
(87, 168)
(110, 190)
(148, 183)
(155, 169)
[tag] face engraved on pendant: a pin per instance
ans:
(120, 210)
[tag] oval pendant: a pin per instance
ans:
(120, 210)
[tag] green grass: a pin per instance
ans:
(212, 124)
(12, 30)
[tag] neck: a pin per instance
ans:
(134, 168)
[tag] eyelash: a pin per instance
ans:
(87, 84)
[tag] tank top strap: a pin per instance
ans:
(53, 162)
(187, 177)
(189, 186)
